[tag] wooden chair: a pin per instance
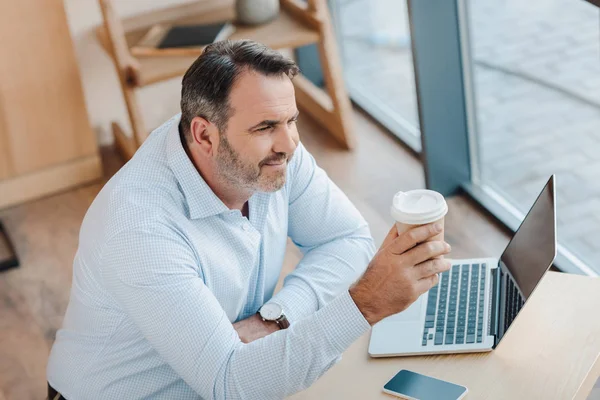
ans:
(298, 24)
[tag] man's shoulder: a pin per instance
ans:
(144, 189)
(148, 175)
(122, 209)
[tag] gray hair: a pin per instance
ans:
(207, 83)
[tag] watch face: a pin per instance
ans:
(270, 311)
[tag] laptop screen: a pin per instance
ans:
(533, 247)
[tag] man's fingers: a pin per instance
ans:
(432, 267)
(391, 236)
(426, 251)
(423, 285)
(412, 237)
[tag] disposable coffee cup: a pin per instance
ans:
(419, 207)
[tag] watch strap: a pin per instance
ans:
(283, 322)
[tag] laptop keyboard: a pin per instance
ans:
(514, 302)
(455, 307)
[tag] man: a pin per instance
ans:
(184, 245)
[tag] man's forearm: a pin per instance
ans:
(254, 328)
(290, 360)
(331, 233)
(324, 273)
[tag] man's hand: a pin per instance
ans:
(253, 328)
(404, 268)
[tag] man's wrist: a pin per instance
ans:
(254, 328)
(361, 299)
(268, 323)
(271, 325)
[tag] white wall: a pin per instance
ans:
(100, 83)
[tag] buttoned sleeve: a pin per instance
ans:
(151, 271)
(331, 233)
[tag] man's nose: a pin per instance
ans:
(286, 141)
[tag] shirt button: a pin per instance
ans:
(246, 226)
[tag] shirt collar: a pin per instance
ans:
(201, 200)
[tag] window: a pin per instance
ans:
(536, 80)
(375, 47)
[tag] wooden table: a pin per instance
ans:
(550, 352)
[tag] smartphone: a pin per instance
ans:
(413, 386)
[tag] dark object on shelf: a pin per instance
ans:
(195, 35)
(8, 255)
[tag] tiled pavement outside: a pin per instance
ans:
(537, 87)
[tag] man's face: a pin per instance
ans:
(261, 133)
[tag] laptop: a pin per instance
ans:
(477, 300)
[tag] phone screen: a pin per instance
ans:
(416, 386)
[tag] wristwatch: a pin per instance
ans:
(274, 312)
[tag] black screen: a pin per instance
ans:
(191, 35)
(533, 247)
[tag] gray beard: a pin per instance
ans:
(233, 170)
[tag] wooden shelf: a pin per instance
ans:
(283, 32)
(156, 65)
(157, 69)
(298, 23)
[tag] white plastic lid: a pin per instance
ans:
(418, 207)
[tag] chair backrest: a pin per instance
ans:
(315, 5)
(116, 30)
(127, 66)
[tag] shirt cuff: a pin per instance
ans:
(295, 302)
(342, 322)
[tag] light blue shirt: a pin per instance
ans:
(164, 268)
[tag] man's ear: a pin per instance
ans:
(204, 135)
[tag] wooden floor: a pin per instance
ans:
(33, 298)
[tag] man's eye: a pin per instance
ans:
(291, 121)
(265, 128)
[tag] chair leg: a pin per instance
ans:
(135, 117)
(126, 145)
(334, 79)
(8, 254)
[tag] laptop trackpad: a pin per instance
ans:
(411, 314)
